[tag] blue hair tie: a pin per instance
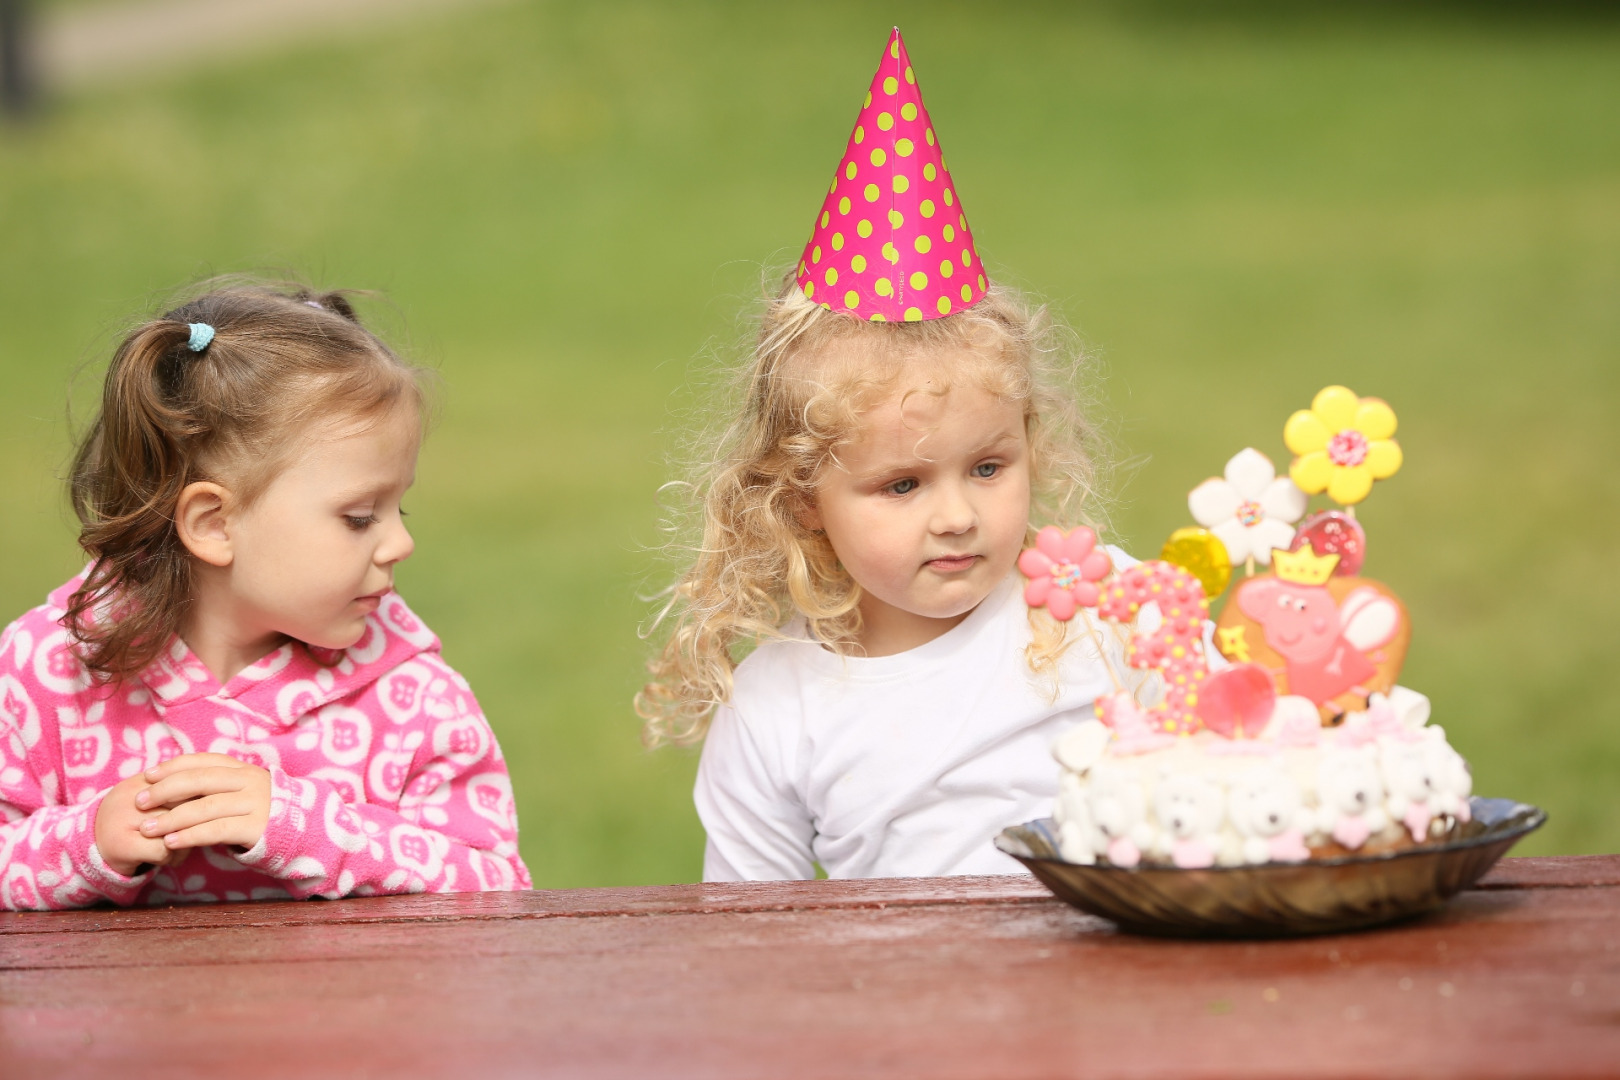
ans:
(201, 335)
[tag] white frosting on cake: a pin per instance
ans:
(1385, 776)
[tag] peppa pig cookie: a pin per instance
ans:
(1290, 739)
(1333, 640)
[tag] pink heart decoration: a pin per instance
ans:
(1237, 702)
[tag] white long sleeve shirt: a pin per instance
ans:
(893, 766)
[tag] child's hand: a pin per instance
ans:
(203, 800)
(118, 829)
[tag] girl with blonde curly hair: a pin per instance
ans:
(898, 435)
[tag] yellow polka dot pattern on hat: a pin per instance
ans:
(910, 227)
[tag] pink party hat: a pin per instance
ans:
(891, 241)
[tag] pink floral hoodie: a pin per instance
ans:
(385, 775)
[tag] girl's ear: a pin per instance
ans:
(200, 518)
(808, 515)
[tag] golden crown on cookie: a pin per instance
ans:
(1303, 567)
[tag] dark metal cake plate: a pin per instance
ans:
(1279, 899)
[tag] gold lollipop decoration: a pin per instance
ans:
(1201, 553)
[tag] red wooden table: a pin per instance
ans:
(954, 977)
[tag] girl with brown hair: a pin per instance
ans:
(231, 702)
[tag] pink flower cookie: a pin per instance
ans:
(1063, 571)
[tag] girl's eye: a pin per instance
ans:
(902, 487)
(359, 524)
(986, 470)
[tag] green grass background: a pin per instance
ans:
(570, 204)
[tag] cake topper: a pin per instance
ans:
(1333, 532)
(891, 241)
(1309, 628)
(1328, 638)
(1250, 508)
(1200, 552)
(1063, 570)
(1344, 443)
(1324, 633)
(1172, 645)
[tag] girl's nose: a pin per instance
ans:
(953, 511)
(397, 545)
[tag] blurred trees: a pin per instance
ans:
(16, 58)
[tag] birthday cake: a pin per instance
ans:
(1279, 733)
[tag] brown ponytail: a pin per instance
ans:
(279, 359)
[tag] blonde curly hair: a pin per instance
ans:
(798, 397)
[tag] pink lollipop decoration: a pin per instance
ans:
(1063, 571)
(1333, 532)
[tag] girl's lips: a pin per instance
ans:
(949, 564)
